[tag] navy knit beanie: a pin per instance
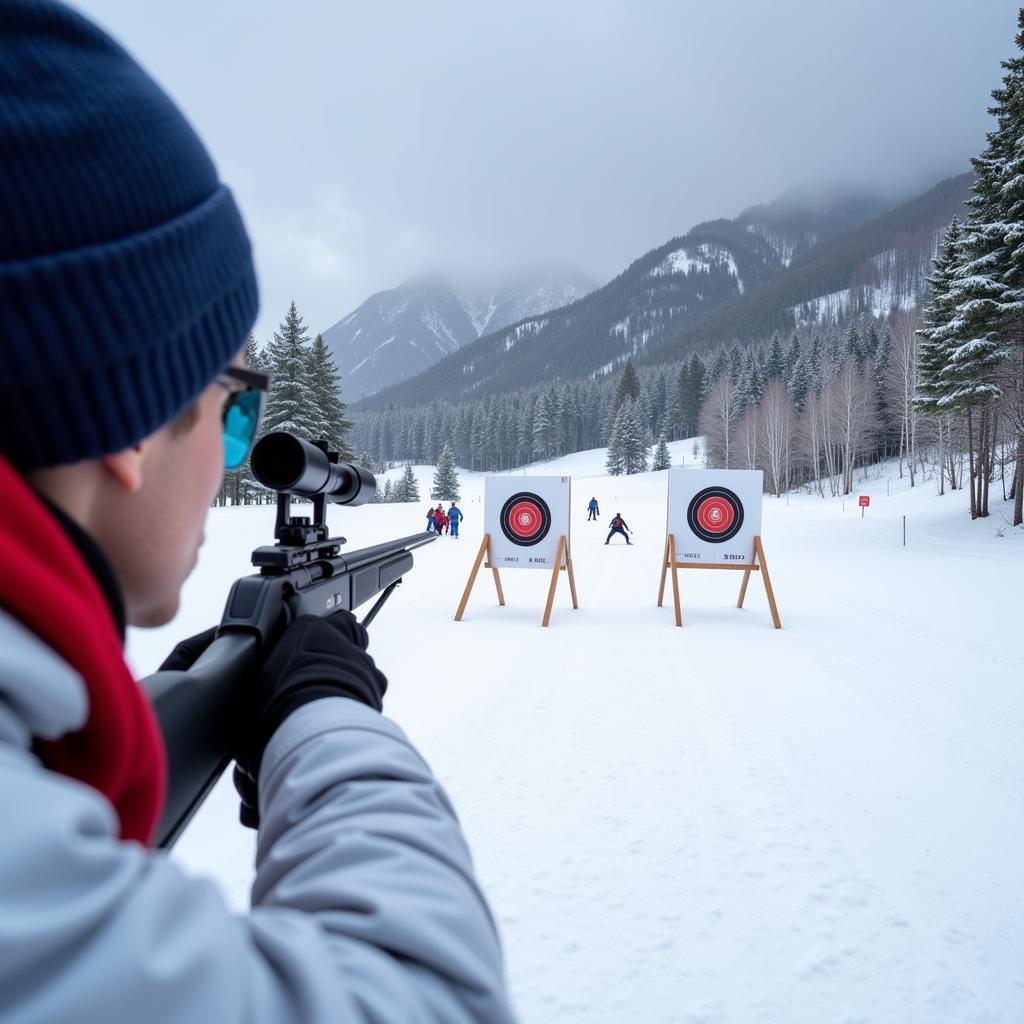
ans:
(126, 278)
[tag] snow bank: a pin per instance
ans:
(724, 822)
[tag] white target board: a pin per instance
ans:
(525, 516)
(715, 514)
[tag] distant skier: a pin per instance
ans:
(592, 510)
(618, 525)
(439, 518)
(431, 521)
(455, 517)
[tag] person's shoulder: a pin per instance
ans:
(49, 695)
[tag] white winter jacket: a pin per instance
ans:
(364, 907)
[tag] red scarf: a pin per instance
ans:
(45, 584)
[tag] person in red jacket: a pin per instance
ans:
(618, 525)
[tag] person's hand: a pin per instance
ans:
(187, 652)
(315, 657)
(181, 659)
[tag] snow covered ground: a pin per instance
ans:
(723, 823)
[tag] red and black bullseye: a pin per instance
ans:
(525, 519)
(715, 515)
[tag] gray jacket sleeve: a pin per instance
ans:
(365, 908)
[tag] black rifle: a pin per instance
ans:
(200, 711)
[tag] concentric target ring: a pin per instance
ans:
(525, 519)
(715, 515)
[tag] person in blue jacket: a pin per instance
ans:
(454, 518)
(592, 510)
(618, 525)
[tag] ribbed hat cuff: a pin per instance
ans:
(120, 337)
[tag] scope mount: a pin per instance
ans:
(300, 539)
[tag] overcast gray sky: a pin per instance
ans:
(369, 142)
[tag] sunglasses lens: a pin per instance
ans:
(241, 418)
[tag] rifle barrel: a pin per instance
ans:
(356, 559)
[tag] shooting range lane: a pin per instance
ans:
(724, 822)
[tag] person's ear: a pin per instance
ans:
(126, 466)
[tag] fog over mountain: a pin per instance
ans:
(367, 142)
(397, 333)
(805, 258)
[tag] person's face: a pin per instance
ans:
(156, 497)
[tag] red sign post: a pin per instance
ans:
(864, 501)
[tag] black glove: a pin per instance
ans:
(186, 653)
(248, 797)
(316, 657)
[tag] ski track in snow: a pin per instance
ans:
(725, 822)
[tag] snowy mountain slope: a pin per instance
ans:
(725, 822)
(704, 257)
(800, 219)
(893, 280)
(395, 334)
(665, 288)
(876, 267)
(398, 333)
(498, 304)
(643, 309)
(795, 261)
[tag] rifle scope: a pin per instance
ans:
(289, 465)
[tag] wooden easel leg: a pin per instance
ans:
(767, 583)
(554, 581)
(743, 587)
(664, 569)
(497, 578)
(484, 545)
(572, 578)
(675, 578)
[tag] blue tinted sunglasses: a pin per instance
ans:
(242, 412)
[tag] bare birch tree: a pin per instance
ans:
(901, 386)
(747, 439)
(776, 421)
(717, 423)
(852, 405)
